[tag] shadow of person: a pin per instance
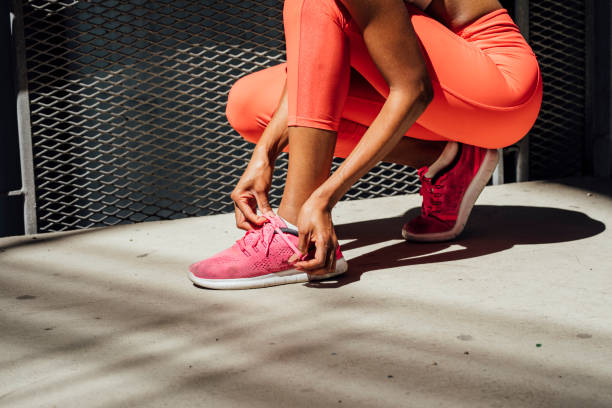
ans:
(490, 229)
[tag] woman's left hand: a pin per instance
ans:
(315, 227)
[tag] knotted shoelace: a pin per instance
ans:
(265, 234)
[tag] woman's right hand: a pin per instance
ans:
(251, 192)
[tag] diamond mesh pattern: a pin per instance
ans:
(127, 102)
(558, 39)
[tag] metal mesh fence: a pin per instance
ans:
(127, 108)
(558, 31)
(128, 97)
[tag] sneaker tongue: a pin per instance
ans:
(277, 222)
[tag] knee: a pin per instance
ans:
(240, 110)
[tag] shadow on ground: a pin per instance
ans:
(491, 229)
(593, 185)
(143, 334)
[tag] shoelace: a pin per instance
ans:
(266, 234)
(430, 192)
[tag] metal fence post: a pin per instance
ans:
(521, 17)
(23, 122)
(522, 158)
(498, 173)
(598, 137)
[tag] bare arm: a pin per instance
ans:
(252, 189)
(275, 137)
(393, 45)
(394, 48)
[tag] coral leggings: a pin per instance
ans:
(486, 80)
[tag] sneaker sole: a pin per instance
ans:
(467, 203)
(272, 279)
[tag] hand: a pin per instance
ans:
(251, 192)
(315, 226)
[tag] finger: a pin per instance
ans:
(240, 218)
(244, 225)
(249, 212)
(303, 242)
(330, 262)
(263, 204)
(329, 268)
(333, 247)
(319, 260)
(302, 246)
(329, 259)
(241, 222)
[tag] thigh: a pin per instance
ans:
(474, 100)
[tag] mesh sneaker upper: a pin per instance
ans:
(442, 194)
(259, 252)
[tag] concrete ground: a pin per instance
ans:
(515, 313)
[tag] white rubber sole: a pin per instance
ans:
(272, 279)
(467, 203)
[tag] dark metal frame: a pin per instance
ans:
(598, 142)
(28, 188)
(520, 149)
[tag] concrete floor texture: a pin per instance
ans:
(517, 312)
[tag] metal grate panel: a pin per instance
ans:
(127, 108)
(557, 36)
(127, 101)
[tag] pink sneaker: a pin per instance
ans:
(257, 260)
(449, 196)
